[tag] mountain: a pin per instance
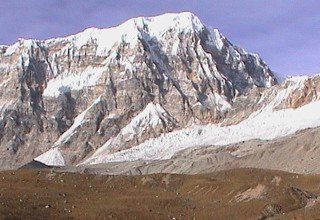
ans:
(143, 90)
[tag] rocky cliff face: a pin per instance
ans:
(115, 88)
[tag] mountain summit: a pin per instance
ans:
(150, 83)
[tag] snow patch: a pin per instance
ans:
(175, 48)
(215, 39)
(22, 43)
(11, 49)
(53, 157)
(150, 116)
(74, 81)
(222, 104)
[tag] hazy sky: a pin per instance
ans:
(284, 32)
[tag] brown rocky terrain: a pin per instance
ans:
(233, 194)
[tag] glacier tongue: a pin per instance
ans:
(266, 124)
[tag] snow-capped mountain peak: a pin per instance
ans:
(151, 76)
(127, 32)
(130, 31)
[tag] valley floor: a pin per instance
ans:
(230, 194)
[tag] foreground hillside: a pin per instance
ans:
(239, 193)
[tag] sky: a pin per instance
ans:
(285, 33)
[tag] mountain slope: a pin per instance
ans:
(267, 123)
(77, 94)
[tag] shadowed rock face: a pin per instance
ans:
(79, 92)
